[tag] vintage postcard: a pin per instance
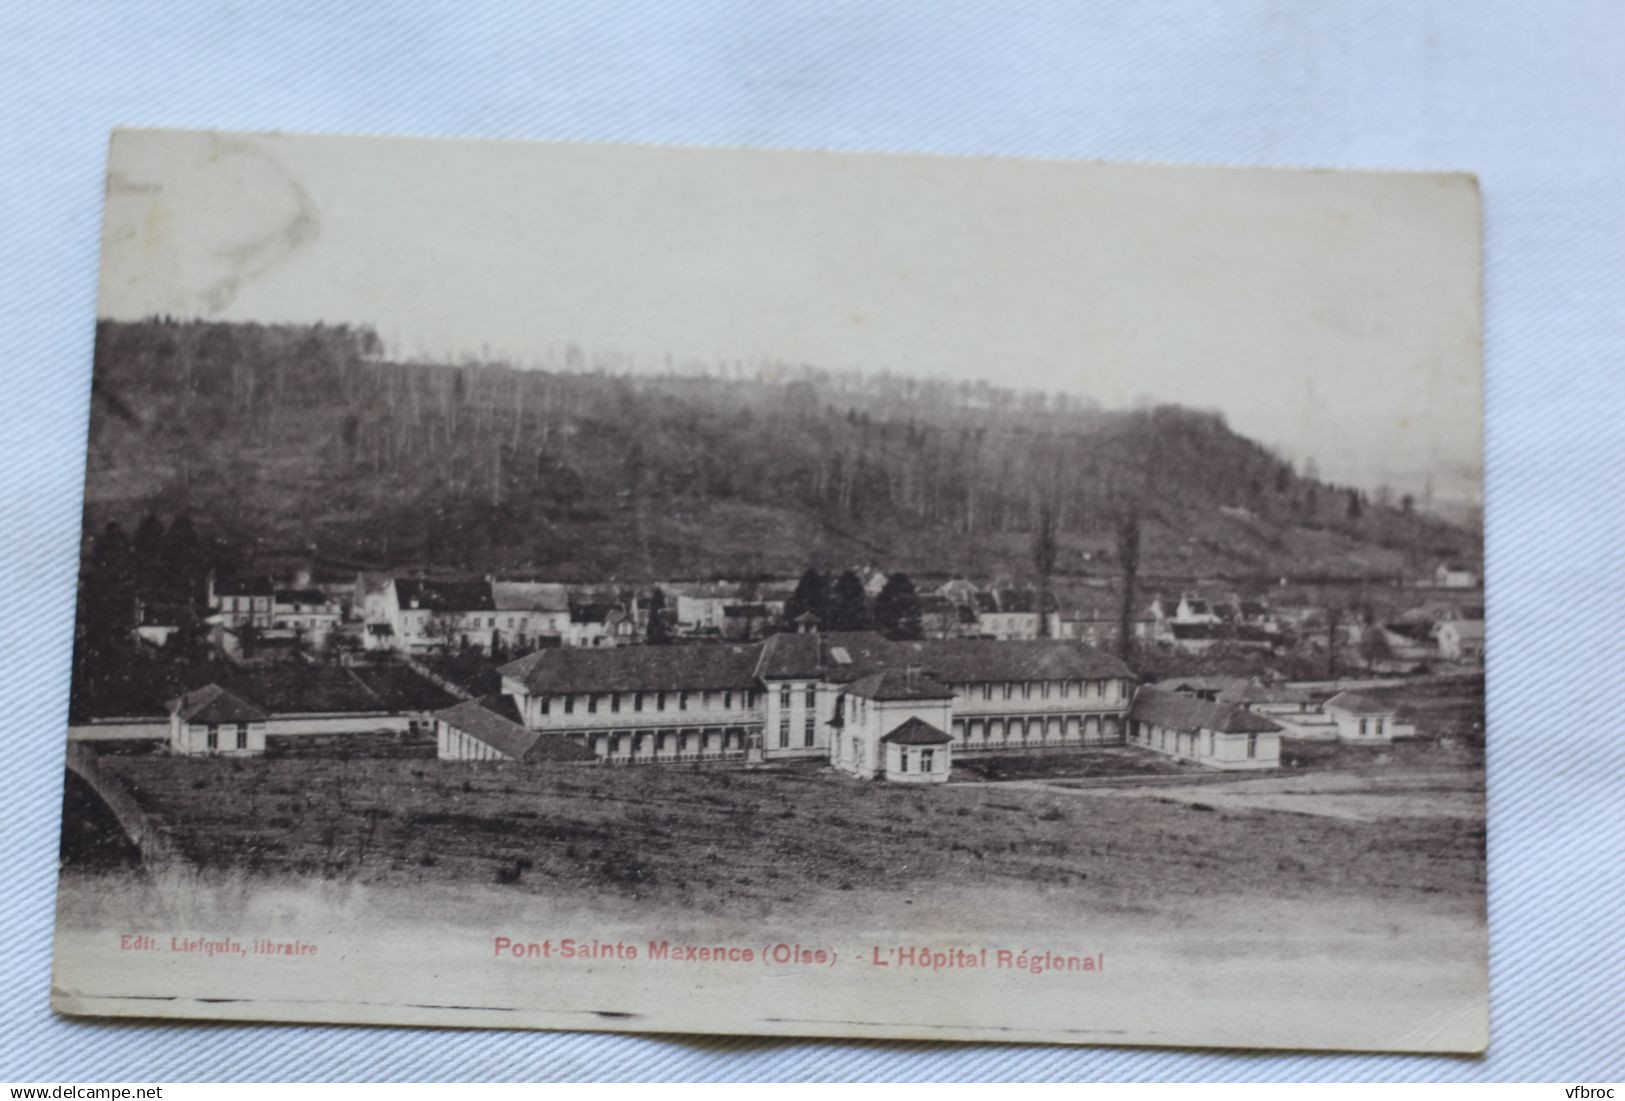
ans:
(701, 591)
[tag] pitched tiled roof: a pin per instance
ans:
(444, 596)
(696, 666)
(213, 704)
(302, 597)
(916, 731)
(529, 596)
(1175, 711)
(593, 613)
(1354, 704)
(837, 655)
(900, 684)
(495, 720)
(840, 657)
(952, 661)
(1416, 632)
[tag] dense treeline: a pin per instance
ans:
(160, 572)
(305, 433)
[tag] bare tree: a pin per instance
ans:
(1334, 627)
(443, 629)
(1128, 558)
(1044, 552)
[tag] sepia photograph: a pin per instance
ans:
(792, 593)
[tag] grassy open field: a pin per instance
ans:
(1227, 917)
(749, 844)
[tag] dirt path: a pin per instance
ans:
(1349, 795)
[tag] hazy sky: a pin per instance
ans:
(1333, 315)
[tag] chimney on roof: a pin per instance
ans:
(912, 675)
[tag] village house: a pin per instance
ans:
(531, 614)
(426, 615)
(701, 606)
(787, 697)
(243, 602)
(1198, 638)
(309, 613)
(1014, 614)
(436, 615)
(1461, 639)
(1096, 619)
(213, 721)
(959, 591)
(1206, 732)
(599, 624)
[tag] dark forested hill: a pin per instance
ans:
(287, 435)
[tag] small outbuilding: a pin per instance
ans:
(213, 721)
(1364, 720)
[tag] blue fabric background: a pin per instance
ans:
(1530, 96)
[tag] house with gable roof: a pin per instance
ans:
(531, 614)
(213, 720)
(1366, 720)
